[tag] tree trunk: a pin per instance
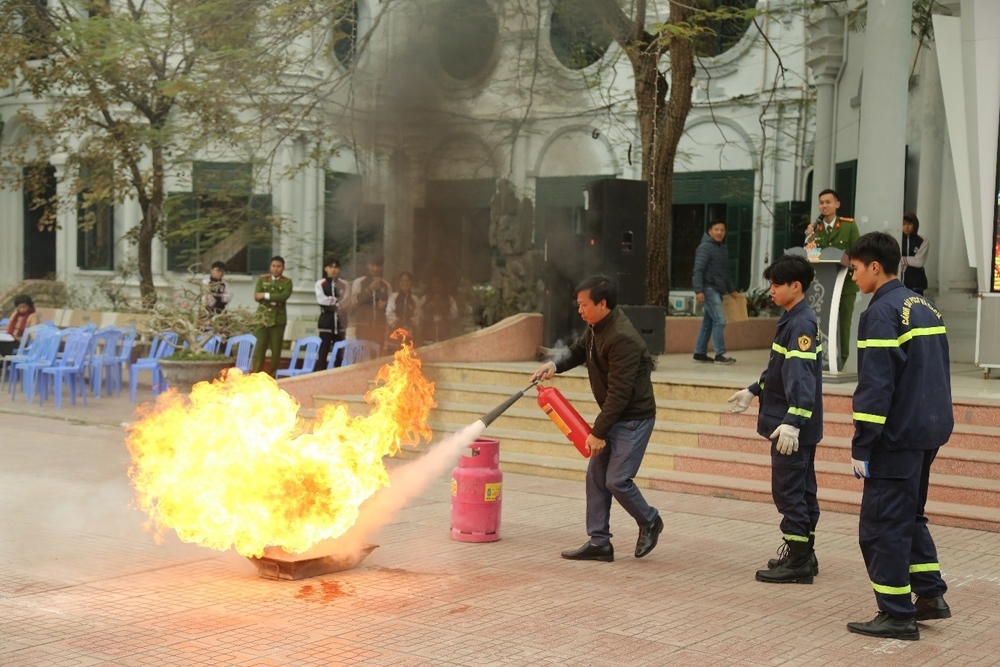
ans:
(152, 214)
(661, 122)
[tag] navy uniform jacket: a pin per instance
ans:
(791, 389)
(903, 399)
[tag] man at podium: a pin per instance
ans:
(833, 231)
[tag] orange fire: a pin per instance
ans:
(235, 465)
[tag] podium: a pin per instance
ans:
(823, 296)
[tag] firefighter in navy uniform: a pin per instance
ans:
(791, 416)
(902, 415)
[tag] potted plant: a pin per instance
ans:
(186, 313)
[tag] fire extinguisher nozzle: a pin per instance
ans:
(492, 415)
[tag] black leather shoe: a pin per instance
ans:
(929, 609)
(588, 551)
(648, 537)
(887, 627)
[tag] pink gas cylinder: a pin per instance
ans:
(476, 493)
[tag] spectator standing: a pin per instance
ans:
(370, 298)
(332, 294)
(439, 312)
(271, 293)
(834, 231)
(403, 311)
(711, 280)
(23, 317)
(218, 296)
(914, 247)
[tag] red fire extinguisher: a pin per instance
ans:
(565, 416)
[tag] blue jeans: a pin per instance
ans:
(713, 322)
(609, 475)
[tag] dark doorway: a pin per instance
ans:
(39, 222)
(451, 233)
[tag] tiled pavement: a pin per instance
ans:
(81, 584)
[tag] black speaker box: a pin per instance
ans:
(651, 323)
(615, 231)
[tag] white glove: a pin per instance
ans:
(741, 400)
(788, 439)
(860, 469)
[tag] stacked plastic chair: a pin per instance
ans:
(212, 345)
(124, 356)
(244, 345)
(355, 351)
(161, 347)
(42, 354)
(308, 347)
(103, 361)
(28, 340)
(70, 368)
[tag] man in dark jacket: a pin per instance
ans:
(710, 281)
(619, 366)
(902, 415)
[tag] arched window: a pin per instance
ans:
(579, 38)
(344, 32)
(467, 37)
(723, 33)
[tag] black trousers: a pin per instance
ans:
(897, 546)
(328, 339)
(793, 488)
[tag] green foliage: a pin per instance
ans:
(759, 302)
(492, 305)
(150, 86)
(191, 355)
(185, 312)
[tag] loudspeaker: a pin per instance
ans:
(651, 323)
(615, 231)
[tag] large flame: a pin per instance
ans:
(234, 465)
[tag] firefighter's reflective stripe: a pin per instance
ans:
(896, 342)
(795, 538)
(891, 590)
(925, 567)
(865, 417)
(922, 331)
(793, 354)
(800, 412)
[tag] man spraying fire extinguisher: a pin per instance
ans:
(619, 366)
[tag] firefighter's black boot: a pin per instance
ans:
(774, 562)
(795, 568)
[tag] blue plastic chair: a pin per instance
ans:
(28, 339)
(103, 361)
(245, 344)
(70, 368)
(355, 351)
(162, 347)
(212, 345)
(43, 354)
(4, 322)
(308, 347)
(124, 356)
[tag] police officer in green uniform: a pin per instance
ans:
(271, 292)
(832, 230)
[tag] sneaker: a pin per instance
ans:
(723, 359)
(703, 357)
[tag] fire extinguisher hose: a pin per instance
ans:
(492, 415)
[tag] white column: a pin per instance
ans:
(931, 120)
(311, 242)
(65, 225)
(882, 137)
(11, 237)
(825, 56)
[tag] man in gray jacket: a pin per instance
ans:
(710, 281)
(619, 367)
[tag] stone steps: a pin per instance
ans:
(699, 447)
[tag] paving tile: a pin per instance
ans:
(82, 584)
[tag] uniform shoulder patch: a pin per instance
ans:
(805, 342)
(848, 219)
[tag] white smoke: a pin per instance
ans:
(405, 483)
